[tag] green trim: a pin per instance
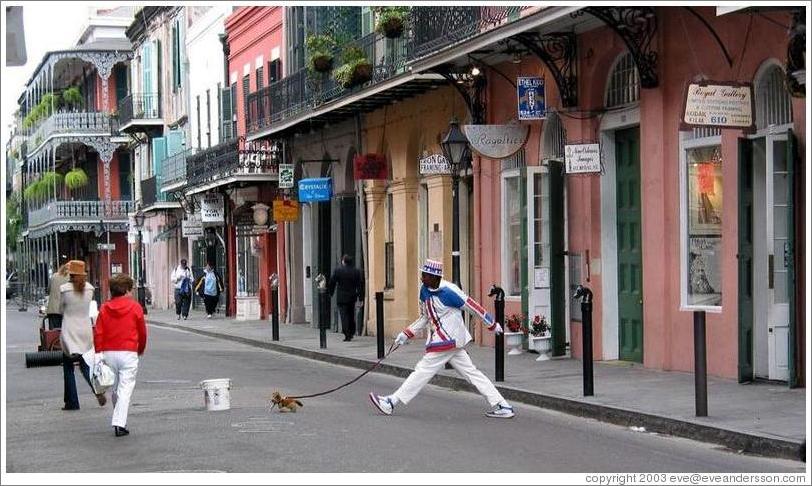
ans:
(558, 290)
(792, 378)
(745, 257)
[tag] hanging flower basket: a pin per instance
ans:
(390, 21)
(356, 69)
(76, 178)
(320, 52)
(321, 63)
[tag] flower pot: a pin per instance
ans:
(322, 64)
(361, 74)
(543, 345)
(513, 340)
(393, 28)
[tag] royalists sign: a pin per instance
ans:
(582, 158)
(719, 104)
(497, 141)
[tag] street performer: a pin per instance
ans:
(441, 304)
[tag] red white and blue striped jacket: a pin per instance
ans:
(441, 316)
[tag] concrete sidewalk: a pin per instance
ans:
(759, 418)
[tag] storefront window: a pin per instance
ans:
(512, 243)
(702, 209)
(248, 254)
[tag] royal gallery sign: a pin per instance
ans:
(719, 104)
(497, 141)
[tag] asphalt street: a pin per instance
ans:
(440, 431)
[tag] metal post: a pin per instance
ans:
(324, 316)
(700, 365)
(274, 313)
(141, 293)
(586, 317)
(379, 322)
(499, 311)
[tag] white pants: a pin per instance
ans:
(432, 363)
(125, 364)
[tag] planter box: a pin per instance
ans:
(247, 309)
(513, 340)
(543, 345)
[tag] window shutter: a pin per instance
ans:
(156, 72)
(175, 57)
(158, 156)
(174, 141)
(366, 20)
(225, 111)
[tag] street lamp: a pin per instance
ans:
(457, 151)
(139, 225)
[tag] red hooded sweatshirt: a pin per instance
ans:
(120, 326)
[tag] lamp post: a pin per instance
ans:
(457, 151)
(139, 225)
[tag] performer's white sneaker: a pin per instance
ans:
(383, 404)
(500, 411)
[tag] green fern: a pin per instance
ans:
(51, 179)
(76, 178)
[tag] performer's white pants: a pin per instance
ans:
(432, 363)
(125, 364)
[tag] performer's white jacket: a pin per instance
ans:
(441, 315)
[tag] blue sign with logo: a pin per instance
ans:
(531, 98)
(315, 190)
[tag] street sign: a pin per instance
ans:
(434, 164)
(106, 246)
(285, 176)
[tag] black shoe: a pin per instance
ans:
(67, 407)
(347, 339)
(120, 431)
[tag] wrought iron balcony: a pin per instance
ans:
(138, 111)
(150, 193)
(173, 171)
(79, 211)
(230, 161)
(82, 123)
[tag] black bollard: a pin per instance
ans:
(274, 313)
(586, 317)
(379, 322)
(499, 345)
(700, 365)
(324, 316)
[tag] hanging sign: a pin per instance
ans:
(258, 157)
(370, 166)
(497, 141)
(530, 93)
(285, 176)
(285, 210)
(315, 190)
(582, 158)
(719, 104)
(212, 209)
(191, 226)
(434, 164)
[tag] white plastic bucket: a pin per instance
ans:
(216, 393)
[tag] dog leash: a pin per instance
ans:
(392, 348)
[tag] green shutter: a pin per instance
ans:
(366, 21)
(745, 257)
(225, 114)
(790, 256)
(174, 142)
(158, 156)
(175, 57)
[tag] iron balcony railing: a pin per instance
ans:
(304, 91)
(150, 193)
(82, 122)
(173, 169)
(79, 211)
(428, 31)
(229, 159)
(139, 106)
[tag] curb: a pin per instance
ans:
(736, 441)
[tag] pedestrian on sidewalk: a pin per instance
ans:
(441, 304)
(350, 283)
(182, 280)
(121, 336)
(77, 332)
(210, 286)
(53, 311)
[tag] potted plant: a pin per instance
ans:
(320, 52)
(73, 97)
(389, 21)
(514, 333)
(540, 337)
(76, 178)
(356, 69)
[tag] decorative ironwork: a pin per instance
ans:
(796, 55)
(189, 204)
(173, 169)
(83, 227)
(557, 52)
(233, 158)
(61, 211)
(139, 106)
(91, 123)
(637, 27)
(472, 89)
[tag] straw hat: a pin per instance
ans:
(76, 267)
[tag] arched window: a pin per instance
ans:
(554, 137)
(623, 87)
(773, 104)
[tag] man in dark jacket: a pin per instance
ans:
(350, 283)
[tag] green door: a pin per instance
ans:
(558, 298)
(745, 257)
(629, 251)
(789, 259)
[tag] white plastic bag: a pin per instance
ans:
(103, 376)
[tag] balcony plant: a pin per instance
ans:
(50, 179)
(356, 69)
(390, 21)
(73, 98)
(35, 190)
(320, 52)
(76, 178)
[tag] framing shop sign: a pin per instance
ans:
(434, 164)
(719, 104)
(497, 141)
(212, 209)
(582, 158)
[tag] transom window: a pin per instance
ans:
(624, 83)
(773, 104)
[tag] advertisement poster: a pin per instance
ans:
(530, 92)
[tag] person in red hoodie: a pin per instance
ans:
(121, 335)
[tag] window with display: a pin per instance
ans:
(702, 223)
(512, 239)
(248, 255)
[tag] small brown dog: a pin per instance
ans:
(285, 404)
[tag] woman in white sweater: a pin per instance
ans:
(77, 332)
